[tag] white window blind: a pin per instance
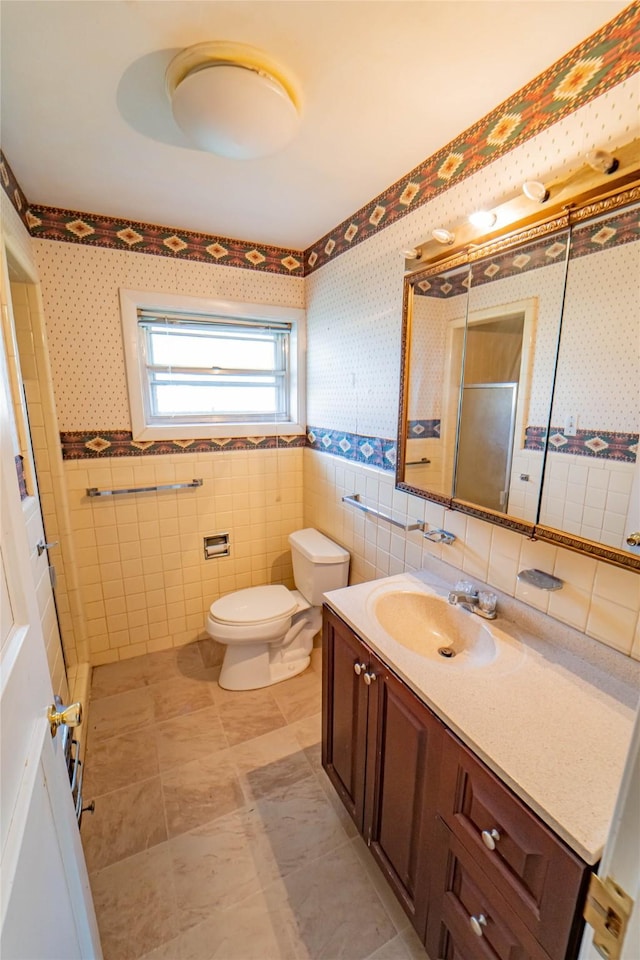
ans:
(214, 369)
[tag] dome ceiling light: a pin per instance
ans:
(232, 99)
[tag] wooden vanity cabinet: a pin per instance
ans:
(468, 917)
(381, 751)
(345, 704)
(453, 841)
(535, 872)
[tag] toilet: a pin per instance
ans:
(268, 631)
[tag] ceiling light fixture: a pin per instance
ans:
(483, 219)
(602, 161)
(442, 235)
(232, 99)
(535, 190)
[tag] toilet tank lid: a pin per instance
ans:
(316, 547)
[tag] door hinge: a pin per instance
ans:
(607, 910)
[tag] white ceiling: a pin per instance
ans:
(86, 124)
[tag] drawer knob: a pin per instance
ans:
(477, 923)
(490, 838)
(369, 678)
(359, 668)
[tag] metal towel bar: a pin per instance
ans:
(354, 500)
(94, 492)
(435, 535)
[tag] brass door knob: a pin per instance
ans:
(71, 716)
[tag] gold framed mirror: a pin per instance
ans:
(521, 366)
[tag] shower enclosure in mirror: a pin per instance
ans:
(513, 323)
(521, 368)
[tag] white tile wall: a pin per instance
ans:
(597, 598)
(144, 580)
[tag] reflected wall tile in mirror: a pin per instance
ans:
(515, 307)
(433, 373)
(591, 486)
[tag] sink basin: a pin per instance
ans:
(427, 625)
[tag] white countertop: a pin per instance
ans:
(554, 726)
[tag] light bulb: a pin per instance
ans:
(443, 236)
(535, 190)
(482, 219)
(601, 161)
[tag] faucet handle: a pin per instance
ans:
(487, 601)
(465, 586)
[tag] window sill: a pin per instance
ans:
(208, 431)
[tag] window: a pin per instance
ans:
(205, 368)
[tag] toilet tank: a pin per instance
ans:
(319, 564)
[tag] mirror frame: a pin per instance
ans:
(580, 196)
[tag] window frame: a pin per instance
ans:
(132, 301)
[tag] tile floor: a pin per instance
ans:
(216, 833)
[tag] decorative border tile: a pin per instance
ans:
(620, 228)
(72, 226)
(600, 444)
(606, 233)
(13, 189)
(603, 60)
(423, 429)
(93, 445)
(374, 451)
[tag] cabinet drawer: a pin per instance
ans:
(541, 879)
(462, 898)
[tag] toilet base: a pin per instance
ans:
(256, 671)
(250, 666)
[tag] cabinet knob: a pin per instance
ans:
(490, 838)
(359, 668)
(477, 923)
(369, 678)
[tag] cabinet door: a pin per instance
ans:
(344, 713)
(404, 750)
(468, 918)
(543, 881)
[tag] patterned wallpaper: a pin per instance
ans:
(354, 303)
(80, 291)
(599, 366)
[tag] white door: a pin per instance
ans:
(621, 857)
(46, 911)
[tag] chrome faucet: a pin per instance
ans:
(461, 596)
(465, 595)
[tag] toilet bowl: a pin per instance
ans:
(268, 631)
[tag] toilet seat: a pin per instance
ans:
(254, 605)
